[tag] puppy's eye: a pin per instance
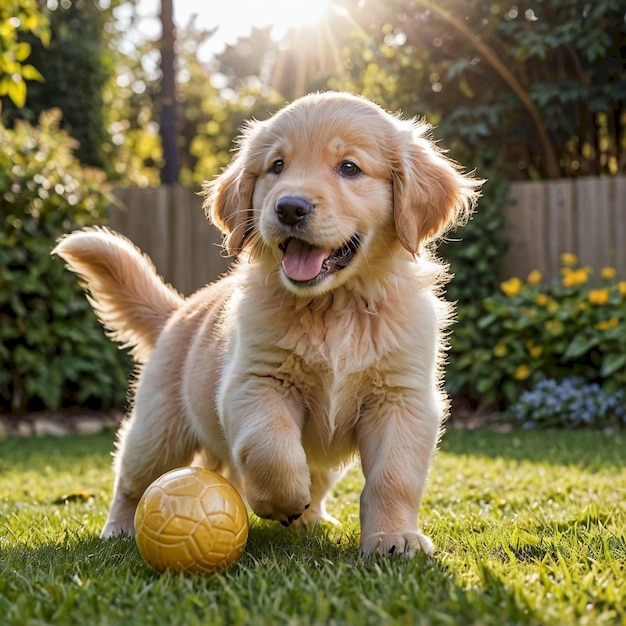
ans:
(349, 169)
(277, 166)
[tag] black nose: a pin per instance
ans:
(292, 210)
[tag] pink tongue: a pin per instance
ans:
(303, 262)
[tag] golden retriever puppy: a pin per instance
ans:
(323, 342)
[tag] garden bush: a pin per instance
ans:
(532, 330)
(53, 352)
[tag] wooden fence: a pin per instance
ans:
(585, 216)
(168, 223)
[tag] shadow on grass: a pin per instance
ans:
(591, 449)
(60, 452)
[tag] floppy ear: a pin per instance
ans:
(228, 205)
(430, 194)
(228, 198)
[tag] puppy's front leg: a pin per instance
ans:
(263, 424)
(396, 441)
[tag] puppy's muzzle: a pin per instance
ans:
(306, 263)
(292, 210)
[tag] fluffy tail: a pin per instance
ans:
(127, 294)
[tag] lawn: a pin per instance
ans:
(529, 528)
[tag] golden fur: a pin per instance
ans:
(322, 342)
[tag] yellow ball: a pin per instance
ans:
(191, 520)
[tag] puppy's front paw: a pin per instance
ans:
(121, 518)
(404, 543)
(277, 481)
(283, 510)
(119, 527)
(282, 501)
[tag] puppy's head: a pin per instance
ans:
(332, 189)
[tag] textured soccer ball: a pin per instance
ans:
(191, 520)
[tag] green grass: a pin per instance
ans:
(529, 528)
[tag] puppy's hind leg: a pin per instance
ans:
(154, 439)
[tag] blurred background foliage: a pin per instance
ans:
(533, 88)
(17, 19)
(53, 352)
(73, 76)
(516, 89)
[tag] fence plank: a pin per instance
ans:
(525, 228)
(182, 228)
(156, 223)
(206, 244)
(595, 223)
(620, 224)
(562, 231)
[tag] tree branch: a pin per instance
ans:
(552, 164)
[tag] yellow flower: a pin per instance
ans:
(622, 287)
(556, 328)
(608, 273)
(500, 350)
(536, 352)
(512, 286)
(607, 324)
(534, 277)
(573, 278)
(569, 259)
(522, 372)
(542, 299)
(598, 296)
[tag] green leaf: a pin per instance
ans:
(488, 320)
(580, 345)
(16, 90)
(484, 385)
(22, 51)
(30, 72)
(611, 363)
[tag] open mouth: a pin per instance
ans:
(304, 264)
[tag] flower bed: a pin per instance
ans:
(533, 331)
